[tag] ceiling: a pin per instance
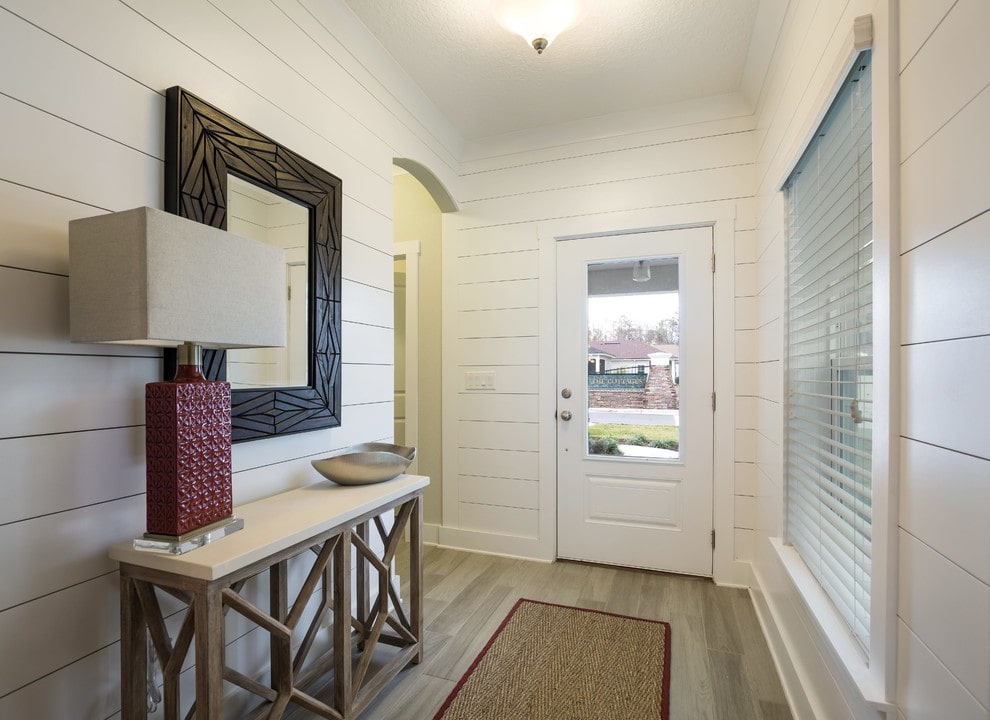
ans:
(623, 55)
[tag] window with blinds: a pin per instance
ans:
(828, 436)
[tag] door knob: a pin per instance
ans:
(565, 415)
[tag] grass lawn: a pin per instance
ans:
(621, 433)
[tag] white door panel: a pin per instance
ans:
(646, 508)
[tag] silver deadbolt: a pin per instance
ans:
(565, 415)
(565, 393)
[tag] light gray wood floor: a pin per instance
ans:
(720, 665)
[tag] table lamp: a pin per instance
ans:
(148, 277)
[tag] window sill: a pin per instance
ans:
(834, 632)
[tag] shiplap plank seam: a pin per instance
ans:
(373, 325)
(54, 194)
(941, 127)
(598, 153)
(946, 231)
(250, 87)
(943, 447)
(69, 509)
(245, 84)
(944, 557)
(83, 127)
(600, 213)
(603, 183)
(807, 87)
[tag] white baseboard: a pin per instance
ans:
(738, 574)
(431, 533)
(492, 544)
(797, 699)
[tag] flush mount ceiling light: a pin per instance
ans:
(539, 22)
(641, 271)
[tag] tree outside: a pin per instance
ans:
(664, 332)
(652, 319)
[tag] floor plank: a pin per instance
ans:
(721, 668)
(419, 697)
(721, 627)
(733, 696)
(758, 664)
(691, 693)
(774, 711)
(458, 654)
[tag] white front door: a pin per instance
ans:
(634, 400)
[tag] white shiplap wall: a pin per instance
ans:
(942, 664)
(944, 537)
(695, 159)
(81, 106)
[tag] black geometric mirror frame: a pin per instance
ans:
(202, 145)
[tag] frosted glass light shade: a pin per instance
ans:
(145, 276)
(536, 20)
(641, 271)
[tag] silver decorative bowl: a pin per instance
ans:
(366, 463)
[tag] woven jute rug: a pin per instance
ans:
(551, 662)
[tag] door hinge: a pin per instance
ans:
(713, 262)
(713, 539)
(713, 402)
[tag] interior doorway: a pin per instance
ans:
(420, 200)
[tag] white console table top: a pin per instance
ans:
(273, 524)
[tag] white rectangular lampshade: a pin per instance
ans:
(145, 276)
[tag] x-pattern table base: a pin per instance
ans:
(373, 617)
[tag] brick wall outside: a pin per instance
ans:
(659, 394)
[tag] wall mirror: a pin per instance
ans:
(220, 172)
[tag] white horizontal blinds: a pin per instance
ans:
(830, 352)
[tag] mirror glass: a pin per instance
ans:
(256, 213)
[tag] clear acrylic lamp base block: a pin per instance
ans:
(177, 545)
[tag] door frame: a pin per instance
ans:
(677, 539)
(722, 219)
(410, 251)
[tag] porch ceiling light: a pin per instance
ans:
(538, 22)
(641, 271)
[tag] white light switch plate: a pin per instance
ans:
(479, 380)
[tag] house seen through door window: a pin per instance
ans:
(633, 358)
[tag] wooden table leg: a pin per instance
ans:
(416, 575)
(278, 591)
(209, 653)
(133, 653)
(342, 624)
(362, 606)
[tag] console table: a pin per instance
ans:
(323, 520)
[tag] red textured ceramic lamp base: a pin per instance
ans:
(188, 453)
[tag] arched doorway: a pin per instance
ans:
(419, 201)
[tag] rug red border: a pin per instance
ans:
(665, 686)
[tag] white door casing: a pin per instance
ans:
(652, 513)
(297, 359)
(409, 251)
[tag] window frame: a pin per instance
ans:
(873, 673)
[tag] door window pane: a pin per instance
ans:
(633, 309)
